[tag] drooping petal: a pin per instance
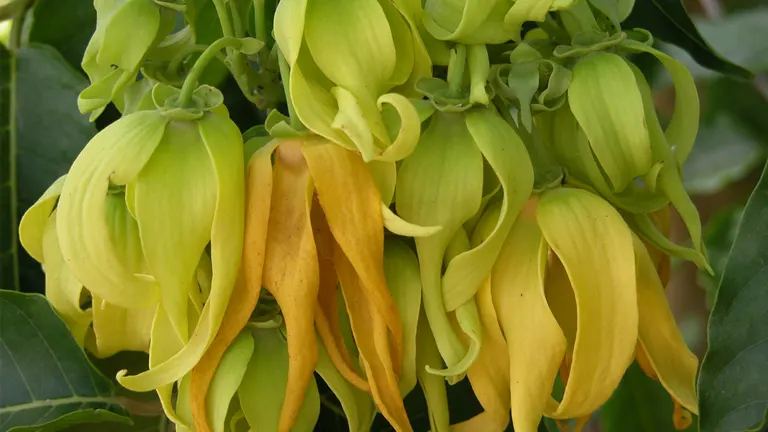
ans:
(352, 206)
(245, 294)
(440, 184)
(291, 271)
(372, 339)
(358, 405)
(225, 149)
(115, 155)
(675, 365)
(264, 387)
(530, 10)
(175, 198)
(164, 344)
(289, 28)
(115, 50)
(605, 100)
(227, 379)
(433, 386)
(62, 289)
(507, 156)
(327, 320)
(401, 268)
(33, 224)
(595, 247)
(535, 342)
(407, 134)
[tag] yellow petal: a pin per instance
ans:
(245, 294)
(595, 247)
(535, 342)
(291, 271)
(675, 365)
(352, 207)
(34, 221)
(371, 336)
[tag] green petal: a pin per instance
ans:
(225, 148)
(130, 33)
(262, 389)
(605, 100)
(506, 154)
(165, 343)
(33, 223)
(115, 155)
(351, 42)
(398, 226)
(118, 329)
(428, 357)
(175, 197)
(684, 124)
(479, 68)
(226, 381)
(403, 41)
(385, 176)
(595, 246)
(440, 184)
(408, 133)
(531, 10)
(467, 21)
(358, 406)
(401, 268)
(62, 289)
(289, 27)
(351, 121)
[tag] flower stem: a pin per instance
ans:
(456, 66)
(190, 83)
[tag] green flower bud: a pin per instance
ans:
(182, 170)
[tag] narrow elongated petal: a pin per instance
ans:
(352, 206)
(408, 131)
(605, 100)
(506, 154)
(227, 379)
(595, 247)
(164, 344)
(291, 271)
(265, 387)
(440, 184)
(225, 148)
(358, 405)
(245, 294)
(433, 386)
(530, 10)
(467, 21)
(327, 320)
(535, 343)
(62, 289)
(175, 198)
(402, 271)
(372, 339)
(675, 365)
(351, 121)
(33, 224)
(115, 50)
(115, 155)
(289, 27)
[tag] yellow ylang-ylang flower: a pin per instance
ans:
(353, 64)
(463, 161)
(150, 221)
(572, 289)
(314, 222)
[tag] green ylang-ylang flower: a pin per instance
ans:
(175, 176)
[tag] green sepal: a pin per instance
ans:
(226, 381)
(581, 47)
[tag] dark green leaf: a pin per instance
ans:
(50, 131)
(669, 21)
(719, 234)
(77, 419)
(639, 404)
(9, 8)
(733, 385)
(140, 424)
(66, 25)
(9, 270)
(45, 375)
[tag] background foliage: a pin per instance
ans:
(49, 384)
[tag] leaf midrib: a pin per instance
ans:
(56, 402)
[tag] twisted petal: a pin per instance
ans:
(246, 291)
(428, 357)
(507, 156)
(265, 387)
(674, 364)
(227, 379)
(535, 342)
(595, 247)
(34, 222)
(115, 155)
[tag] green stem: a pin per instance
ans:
(261, 20)
(190, 83)
(456, 67)
(579, 19)
(226, 23)
(285, 77)
(238, 27)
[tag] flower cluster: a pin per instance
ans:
(452, 195)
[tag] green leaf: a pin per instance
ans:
(9, 270)
(76, 419)
(639, 404)
(719, 234)
(48, 382)
(669, 21)
(50, 131)
(66, 25)
(733, 386)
